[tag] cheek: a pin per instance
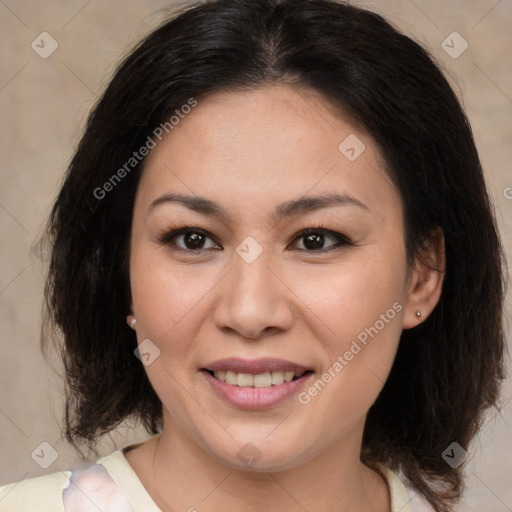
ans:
(351, 297)
(168, 302)
(160, 296)
(360, 305)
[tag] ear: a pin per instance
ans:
(425, 281)
(129, 314)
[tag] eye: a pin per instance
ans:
(192, 239)
(314, 239)
(195, 239)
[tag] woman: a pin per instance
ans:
(274, 247)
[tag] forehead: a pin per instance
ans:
(255, 147)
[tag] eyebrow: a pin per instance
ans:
(292, 208)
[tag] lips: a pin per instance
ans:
(257, 383)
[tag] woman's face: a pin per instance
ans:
(240, 289)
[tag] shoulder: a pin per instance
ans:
(67, 491)
(403, 497)
(108, 484)
(43, 492)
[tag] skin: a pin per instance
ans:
(250, 151)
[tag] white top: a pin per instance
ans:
(111, 485)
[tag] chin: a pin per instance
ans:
(258, 453)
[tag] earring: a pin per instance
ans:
(130, 320)
(418, 314)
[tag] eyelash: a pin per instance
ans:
(165, 238)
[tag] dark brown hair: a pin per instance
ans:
(447, 370)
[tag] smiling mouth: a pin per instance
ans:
(260, 380)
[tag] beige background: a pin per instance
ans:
(43, 104)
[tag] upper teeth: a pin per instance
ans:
(262, 380)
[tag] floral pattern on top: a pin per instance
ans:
(92, 489)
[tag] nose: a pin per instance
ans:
(253, 300)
